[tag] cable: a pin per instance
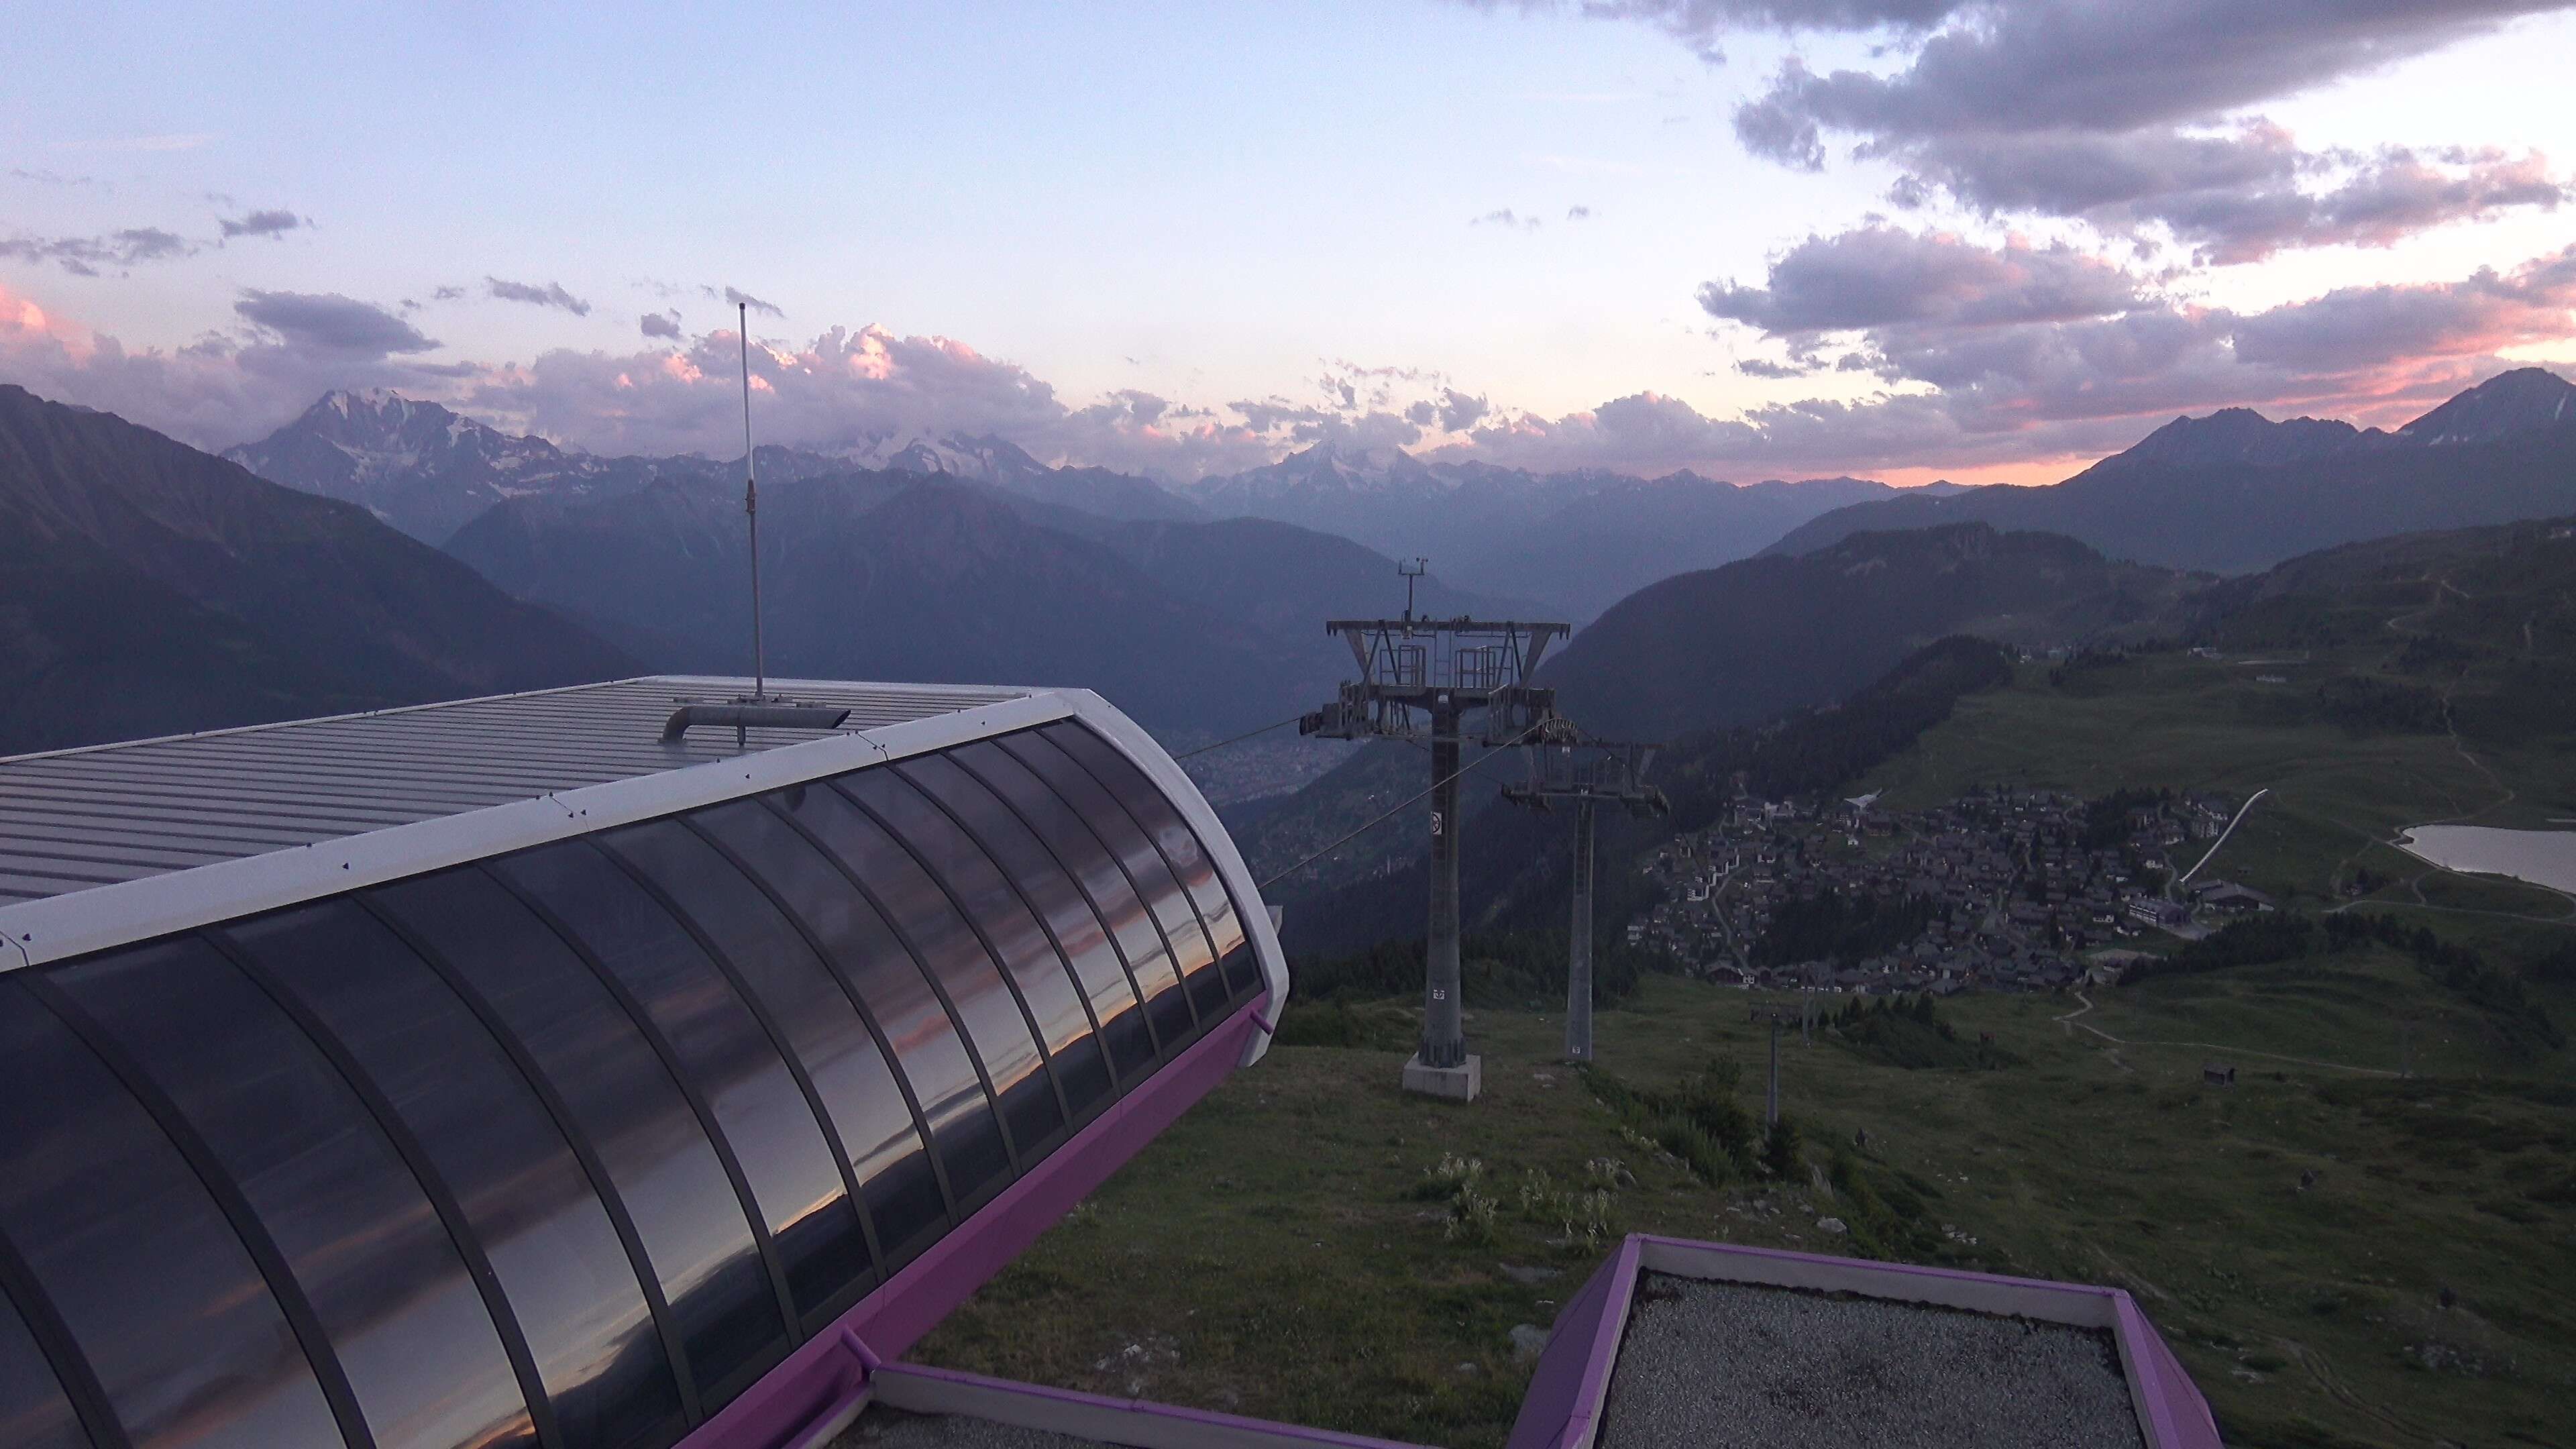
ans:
(1239, 739)
(1399, 805)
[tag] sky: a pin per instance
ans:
(1755, 238)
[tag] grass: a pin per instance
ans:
(1291, 1247)
(1309, 1244)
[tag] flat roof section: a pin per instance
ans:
(1787, 1368)
(884, 1428)
(71, 820)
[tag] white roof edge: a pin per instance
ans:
(54, 928)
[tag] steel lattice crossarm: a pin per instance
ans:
(1592, 771)
(1455, 666)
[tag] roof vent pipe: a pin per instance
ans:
(752, 716)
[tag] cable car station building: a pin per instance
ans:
(589, 1069)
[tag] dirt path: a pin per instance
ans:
(2073, 1026)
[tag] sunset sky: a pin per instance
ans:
(1759, 238)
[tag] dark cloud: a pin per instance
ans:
(1458, 411)
(330, 323)
(1757, 367)
(1701, 25)
(1506, 218)
(84, 256)
(661, 324)
(2237, 196)
(1578, 213)
(1875, 276)
(260, 223)
(732, 298)
(2362, 326)
(2045, 65)
(548, 294)
(2113, 112)
(447, 294)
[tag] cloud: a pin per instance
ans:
(1458, 412)
(1875, 276)
(1701, 25)
(84, 256)
(260, 223)
(732, 298)
(326, 322)
(2359, 326)
(447, 294)
(549, 294)
(2234, 196)
(661, 324)
(1996, 362)
(2047, 65)
(2128, 116)
(50, 178)
(1507, 219)
(1578, 213)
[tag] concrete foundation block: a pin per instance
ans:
(1458, 1084)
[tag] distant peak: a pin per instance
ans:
(2521, 400)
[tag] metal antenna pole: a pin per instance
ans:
(751, 508)
(1578, 963)
(1411, 569)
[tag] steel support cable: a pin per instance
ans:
(1239, 739)
(1391, 811)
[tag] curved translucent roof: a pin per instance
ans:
(569, 1144)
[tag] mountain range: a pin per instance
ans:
(1570, 543)
(1744, 642)
(2235, 492)
(147, 588)
(1209, 627)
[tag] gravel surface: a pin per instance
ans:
(1721, 1364)
(884, 1428)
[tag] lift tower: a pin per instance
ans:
(1420, 679)
(1591, 773)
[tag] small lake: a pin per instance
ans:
(2542, 857)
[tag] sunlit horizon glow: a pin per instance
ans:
(1178, 242)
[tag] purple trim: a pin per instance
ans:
(1572, 1381)
(1875, 1266)
(828, 1371)
(1556, 1385)
(1268, 1028)
(2171, 1400)
(1142, 1406)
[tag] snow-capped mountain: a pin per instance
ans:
(2525, 400)
(427, 470)
(1009, 467)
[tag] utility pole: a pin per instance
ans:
(1443, 671)
(1778, 1017)
(1587, 772)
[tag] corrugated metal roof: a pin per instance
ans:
(74, 819)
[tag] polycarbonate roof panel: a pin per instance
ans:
(74, 819)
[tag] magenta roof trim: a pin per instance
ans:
(824, 1375)
(1563, 1407)
(1146, 1406)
